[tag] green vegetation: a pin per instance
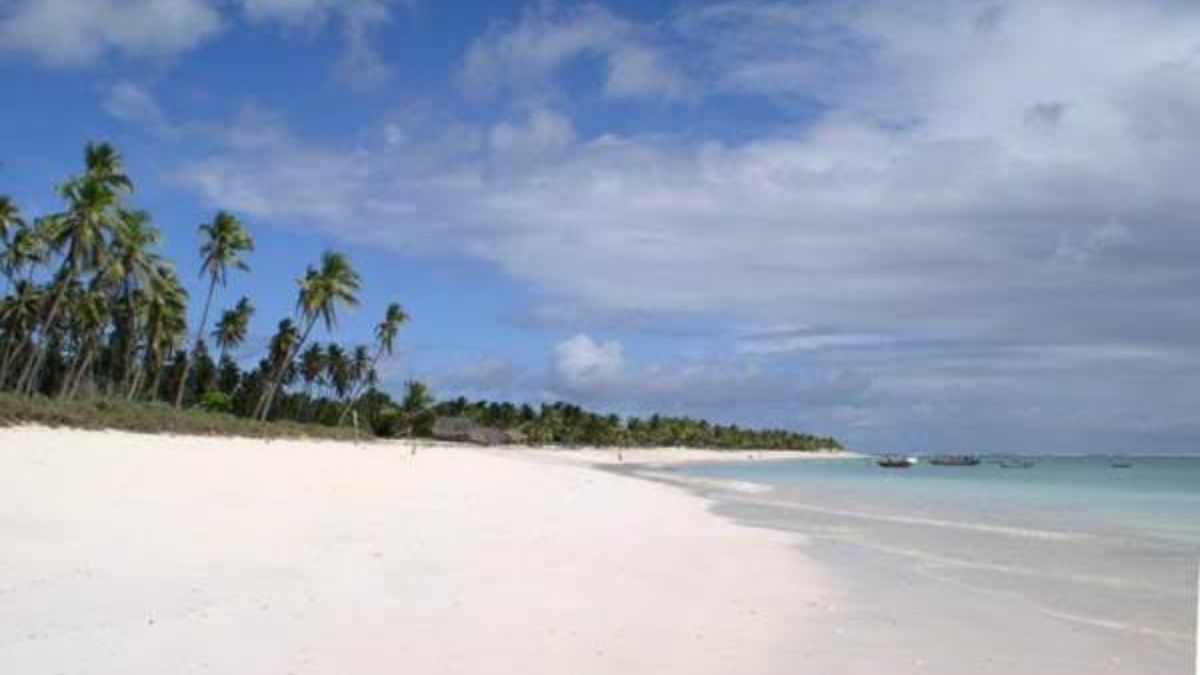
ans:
(566, 424)
(157, 417)
(94, 333)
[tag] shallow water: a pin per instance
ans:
(1070, 566)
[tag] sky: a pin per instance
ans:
(942, 225)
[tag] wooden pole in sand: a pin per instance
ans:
(1196, 644)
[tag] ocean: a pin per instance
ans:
(1069, 566)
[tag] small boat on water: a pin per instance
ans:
(1121, 464)
(954, 460)
(897, 462)
(1016, 464)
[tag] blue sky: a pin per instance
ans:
(956, 224)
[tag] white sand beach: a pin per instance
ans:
(134, 554)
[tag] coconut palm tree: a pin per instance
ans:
(10, 223)
(92, 202)
(18, 318)
(232, 327)
(89, 314)
(385, 339)
(25, 251)
(166, 325)
(226, 240)
(337, 370)
(129, 270)
(10, 217)
(284, 344)
(322, 291)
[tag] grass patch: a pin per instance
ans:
(152, 418)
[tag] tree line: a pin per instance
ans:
(92, 309)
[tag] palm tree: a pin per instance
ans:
(232, 327)
(166, 325)
(10, 217)
(226, 241)
(322, 290)
(27, 250)
(10, 222)
(312, 371)
(18, 318)
(92, 200)
(284, 344)
(337, 369)
(89, 315)
(361, 372)
(385, 338)
(130, 271)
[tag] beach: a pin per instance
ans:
(1067, 566)
(140, 554)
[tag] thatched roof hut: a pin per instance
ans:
(466, 430)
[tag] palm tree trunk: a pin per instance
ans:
(75, 367)
(187, 359)
(354, 394)
(136, 386)
(27, 383)
(84, 369)
(156, 382)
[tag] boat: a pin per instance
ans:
(1016, 464)
(954, 460)
(897, 462)
(1121, 464)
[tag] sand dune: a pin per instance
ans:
(132, 554)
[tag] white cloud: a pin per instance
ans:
(134, 104)
(544, 132)
(80, 33)
(361, 64)
(960, 158)
(801, 338)
(528, 55)
(584, 364)
(74, 33)
(321, 186)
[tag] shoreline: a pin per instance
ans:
(144, 554)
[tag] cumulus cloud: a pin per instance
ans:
(73, 33)
(976, 176)
(582, 363)
(526, 56)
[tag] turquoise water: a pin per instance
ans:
(1098, 563)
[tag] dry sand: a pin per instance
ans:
(129, 554)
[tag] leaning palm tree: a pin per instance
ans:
(322, 290)
(231, 329)
(284, 344)
(226, 240)
(92, 201)
(385, 338)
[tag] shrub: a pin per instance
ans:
(216, 402)
(389, 422)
